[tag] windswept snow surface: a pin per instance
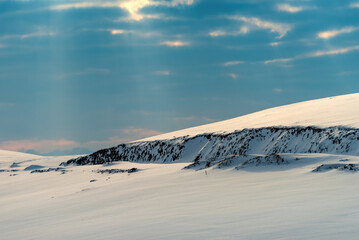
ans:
(336, 111)
(265, 197)
(6, 156)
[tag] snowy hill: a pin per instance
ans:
(336, 111)
(329, 125)
(286, 172)
(8, 156)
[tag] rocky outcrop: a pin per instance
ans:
(210, 148)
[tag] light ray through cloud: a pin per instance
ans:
(81, 70)
(133, 7)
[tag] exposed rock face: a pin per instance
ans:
(341, 167)
(59, 169)
(112, 171)
(207, 148)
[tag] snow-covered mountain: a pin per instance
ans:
(329, 125)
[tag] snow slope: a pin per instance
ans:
(6, 156)
(285, 173)
(210, 148)
(329, 125)
(327, 112)
(281, 200)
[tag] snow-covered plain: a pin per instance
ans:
(291, 182)
(162, 201)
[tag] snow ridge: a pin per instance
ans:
(321, 113)
(212, 148)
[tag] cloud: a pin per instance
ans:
(133, 7)
(231, 63)
(288, 8)
(163, 73)
(98, 4)
(277, 90)
(333, 52)
(232, 75)
(149, 16)
(117, 31)
(280, 28)
(192, 118)
(147, 34)
(41, 146)
(345, 73)
(217, 33)
(175, 43)
(316, 54)
(140, 132)
(279, 60)
(207, 119)
(175, 3)
(333, 33)
(45, 146)
(28, 35)
(354, 5)
(274, 44)
(87, 71)
(124, 136)
(111, 141)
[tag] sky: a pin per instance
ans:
(77, 76)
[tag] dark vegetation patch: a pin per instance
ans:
(207, 150)
(337, 166)
(112, 171)
(59, 169)
(6, 170)
(271, 159)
